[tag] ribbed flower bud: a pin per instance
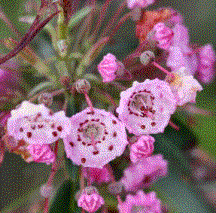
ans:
(46, 99)
(82, 86)
(146, 57)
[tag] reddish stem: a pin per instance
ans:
(88, 100)
(162, 69)
(51, 177)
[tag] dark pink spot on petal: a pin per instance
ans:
(29, 134)
(55, 134)
(83, 160)
(111, 147)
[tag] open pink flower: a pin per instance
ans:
(144, 173)
(206, 70)
(184, 87)
(180, 54)
(143, 148)
(108, 67)
(95, 139)
(146, 107)
(97, 175)
(90, 200)
(163, 35)
(141, 202)
(41, 153)
(139, 3)
(35, 124)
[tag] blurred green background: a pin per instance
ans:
(18, 178)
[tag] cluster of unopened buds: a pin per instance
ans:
(94, 137)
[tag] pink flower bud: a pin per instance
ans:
(97, 175)
(143, 148)
(46, 191)
(108, 68)
(163, 35)
(90, 200)
(139, 3)
(41, 153)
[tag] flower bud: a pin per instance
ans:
(82, 86)
(115, 188)
(46, 99)
(146, 57)
(46, 191)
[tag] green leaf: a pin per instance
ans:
(40, 87)
(73, 170)
(75, 19)
(178, 194)
(62, 200)
(72, 107)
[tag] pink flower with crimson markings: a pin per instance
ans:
(139, 3)
(35, 124)
(95, 138)
(163, 35)
(97, 175)
(90, 200)
(146, 107)
(110, 68)
(206, 71)
(41, 153)
(141, 202)
(143, 148)
(144, 173)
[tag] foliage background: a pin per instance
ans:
(18, 178)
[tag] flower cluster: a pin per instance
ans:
(37, 122)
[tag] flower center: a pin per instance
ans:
(141, 209)
(91, 129)
(141, 104)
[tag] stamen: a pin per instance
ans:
(163, 69)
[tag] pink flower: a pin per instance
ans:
(184, 87)
(141, 202)
(35, 124)
(180, 54)
(108, 67)
(144, 173)
(206, 70)
(41, 153)
(97, 175)
(143, 148)
(90, 200)
(146, 107)
(139, 3)
(95, 139)
(163, 35)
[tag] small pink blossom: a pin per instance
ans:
(206, 71)
(144, 173)
(35, 124)
(97, 175)
(41, 153)
(90, 200)
(141, 202)
(139, 3)
(146, 107)
(108, 68)
(184, 87)
(46, 191)
(163, 35)
(180, 53)
(95, 139)
(143, 148)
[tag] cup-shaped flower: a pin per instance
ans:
(146, 107)
(35, 124)
(109, 67)
(97, 175)
(206, 71)
(90, 200)
(139, 3)
(143, 173)
(184, 87)
(143, 148)
(95, 139)
(141, 202)
(163, 35)
(41, 153)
